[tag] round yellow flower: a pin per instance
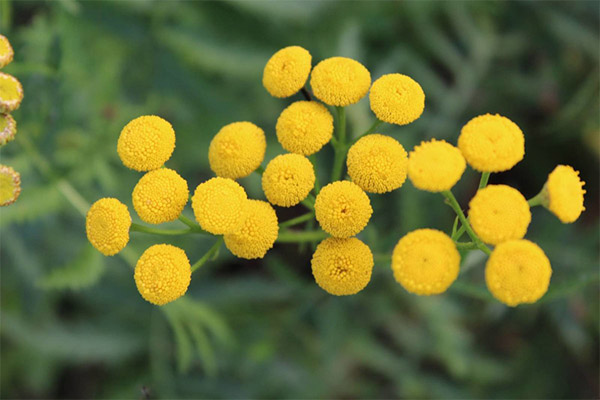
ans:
(258, 233)
(425, 262)
(286, 71)
(518, 272)
(162, 274)
(146, 143)
(304, 127)
(342, 266)
(377, 163)
(219, 205)
(491, 143)
(435, 166)
(237, 150)
(397, 99)
(160, 196)
(340, 81)
(11, 93)
(10, 185)
(499, 213)
(6, 52)
(564, 193)
(343, 209)
(288, 179)
(8, 128)
(107, 226)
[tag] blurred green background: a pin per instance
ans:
(73, 324)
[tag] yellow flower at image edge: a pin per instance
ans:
(10, 185)
(435, 166)
(340, 81)
(237, 150)
(11, 93)
(342, 209)
(304, 127)
(288, 179)
(564, 193)
(342, 266)
(397, 99)
(6, 52)
(160, 196)
(8, 128)
(286, 71)
(146, 143)
(425, 262)
(518, 272)
(162, 274)
(258, 233)
(220, 205)
(107, 226)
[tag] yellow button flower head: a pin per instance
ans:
(146, 143)
(499, 213)
(162, 274)
(340, 81)
(160, 196)
(11, 93)
(397, 99)
(435, 166)
(563, 193)
(491, 143)
(286, 71)
(258, 233)
(10, 185)
(107, 226)
(288, 179)
(425, 262)
(6, 52)
(518, 272)
(8, 128)
(304, 127)
(237, 150)
(343, 209)
(377, 163)
(342, 266)
(220, 206)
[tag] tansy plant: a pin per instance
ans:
(424, 262)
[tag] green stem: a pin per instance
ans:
(155, 231)
(309, 202)
(371, 129)
(465, 222)
(536, 200)
(297, 220)
(260, 170)
(208, 255)
(313, 160)
(191, 224)
(466, 245)
(340, 146)
(301, 236)
(457, 235)
(485, 177)
(454, 226)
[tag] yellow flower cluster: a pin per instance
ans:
(435, 166)
(146, 143)
(107, 225)
(160, 196)
(220, 206)
(257, 234)
(286, 71)
(340, 81)
(6, 52)
(564, 193)
(288, 179)
(304, 127)
(237, 150)
(8, 128)
(397, 99)
(11, 93)
(10, 185)
(343, 209)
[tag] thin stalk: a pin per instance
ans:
(464, 221)
(208, 255)
(301, 236)
(368, 131)
(454, 226)
(306, 94)
(466, 245)
(313, 160)
(191, 224)
(260, 170)
(536, 200)
(155, 231)
(458, 234)
(485, 177)
(340, 146)
(298, 220)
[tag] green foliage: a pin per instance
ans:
(84, 271)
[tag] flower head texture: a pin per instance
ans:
(220, 205)
(491, 143)
(425, 262)
(564, 193)
(518, 272)
(257, 234)
(397, 99)
(377, 163)
(343, 209)
(8, 128)
(286, 71)
(288, 179)
(107, 226)
(11, 93)
(160, 196)
(10, 185)
(162, 274)
(435, 166)
(342, 266)
(237, 150)
(340, 81)
(146, 143)
(6, 52)
(304, 127)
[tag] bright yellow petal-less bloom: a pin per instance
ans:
(435, 166)
(146, 143)
(377, 163)
(258, 233)
(160, 196)
(499, 213)
(342, 266)
(397, 99)
(8, 128)
(304, 127)
(10, 185)
(220, 205)
(564, 193)
(491, 143)
(518, 272)
(11, 93)
(340, 81)
(288, 179)
(162, 274)
(343, 209)
(237, 150)
(286, 71)
(6, 52)
(107, 226)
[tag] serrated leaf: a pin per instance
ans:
(183, 342)
(84, 271)
(32, 204)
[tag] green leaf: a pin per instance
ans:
(84, 271)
